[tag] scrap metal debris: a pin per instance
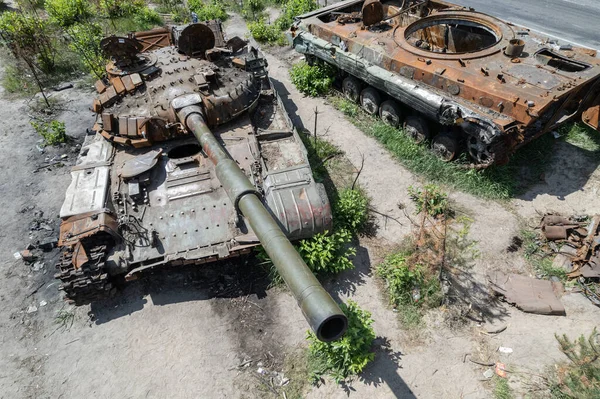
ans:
(579, 252)
(528, 294)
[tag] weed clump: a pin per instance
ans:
(347, 356)
(351, 211)
(53, 132)
(431, 199)
(312, 80)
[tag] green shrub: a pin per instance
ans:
(328, 253)
(85, 40)
(408, 284)
(431, 200)
(121, 8)
(53, 132)
(148, 17)
(312, 80)
(348, 355)
(351, 210)
(66, 13)
(293, 8)
(29, 38)
(207, 11)
(265, 33)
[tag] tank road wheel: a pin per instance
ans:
(351, 88)
(390, 113)
(370, 100)
(445, 147)
(416, 128)
(479, 151)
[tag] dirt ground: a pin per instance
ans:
(202, 333)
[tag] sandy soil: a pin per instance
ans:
(183, 335)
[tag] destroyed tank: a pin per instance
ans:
(192, 159)
(464, 81)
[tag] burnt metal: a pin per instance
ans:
(497, 87)
(194, 160)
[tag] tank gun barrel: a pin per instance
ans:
(322, 313)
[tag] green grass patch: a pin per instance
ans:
(53, 132)
(582, 136)
(495, 182)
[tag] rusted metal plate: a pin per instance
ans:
(528, 294)
(74, 228)
(154, 39)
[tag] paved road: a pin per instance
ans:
(577, 21)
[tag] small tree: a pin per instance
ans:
(67, 13)
(27, 36)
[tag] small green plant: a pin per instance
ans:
(64, 319)
(328, 253)
(293, 8)
(351, 210)
(85, 40)
(501, 388)
(208, 10)
(579, 379)
(312, 80)
(265, 33)
(430, 199)
(53, 132)
(66, 13)
(347, 356)
(409, 284)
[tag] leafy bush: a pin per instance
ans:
(328, 253)
(312, 80)
(66, 13)
(581, 377)
(408, 284)
(351, 210)
(148, 17)
(53, 132)
(121, 8)
(292, 9)
(207, 11)
(348, 355)
(85, 40)
(265, 33)
(431, 200)
(28, 37)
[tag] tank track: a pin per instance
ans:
(89, 283)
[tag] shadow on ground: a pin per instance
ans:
(225, 279)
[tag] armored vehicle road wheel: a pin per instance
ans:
(390, 113)
(370, 100)
(416, 128)
(445, 147)
(479, 151)
(351, 88)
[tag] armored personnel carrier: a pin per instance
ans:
(466, 81)
(193, 160)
